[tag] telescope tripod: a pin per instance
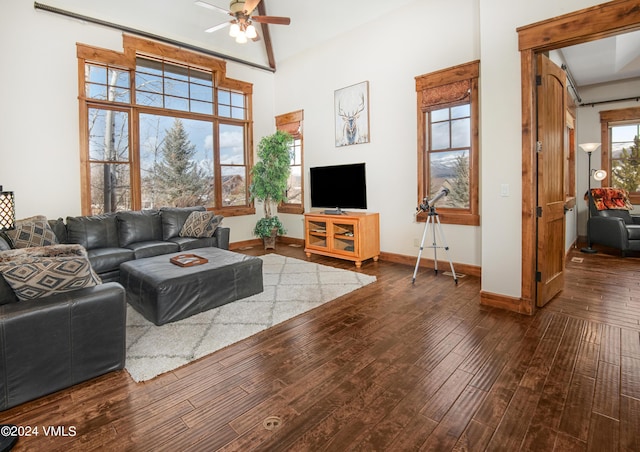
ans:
(434, 221)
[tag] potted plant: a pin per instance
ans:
(269, 177)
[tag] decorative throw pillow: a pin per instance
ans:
(32, 231)
(200, 224)
(41, 271)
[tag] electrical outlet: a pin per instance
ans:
(416, 243)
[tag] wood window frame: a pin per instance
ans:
(607, 119)
(292, 123)
(135, 47)
(428, 95)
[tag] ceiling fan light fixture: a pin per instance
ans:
(234, 30)
(251, 32)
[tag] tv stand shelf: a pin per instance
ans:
(353, 236)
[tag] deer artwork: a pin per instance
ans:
(350, 128)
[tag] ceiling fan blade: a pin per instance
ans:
(217, 27)
(210, 6)
(272, 20)
(250, 5)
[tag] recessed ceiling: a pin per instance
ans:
(605, 60)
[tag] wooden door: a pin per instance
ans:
(551, 108)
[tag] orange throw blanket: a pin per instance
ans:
(611, 198)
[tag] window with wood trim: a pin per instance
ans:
(162, 126)
(292, 124)
(620, 150)
(448, 147)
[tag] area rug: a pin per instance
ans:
(291, 287)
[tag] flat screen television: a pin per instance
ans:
(338, 187)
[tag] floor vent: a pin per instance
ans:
(272, 422)
(577, 260)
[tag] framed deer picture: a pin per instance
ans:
(351, 105)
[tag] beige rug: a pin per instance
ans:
(291, 287)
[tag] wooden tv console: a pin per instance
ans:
(353, 236)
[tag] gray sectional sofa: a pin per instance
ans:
(114, 238)
(55, 341)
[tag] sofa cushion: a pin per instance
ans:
(104, 260)
(201, 224)
(59, 229)
(173, 219)
(153, 248)
(139, 226)
(47, 270)
(7, 295)
(94, 231)
(33, 231)
(191, 243)
(4, 242)
(634, 231)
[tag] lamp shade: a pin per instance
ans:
(7, 210)
(589, 147)
(599, 174)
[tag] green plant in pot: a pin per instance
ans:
(269, 177)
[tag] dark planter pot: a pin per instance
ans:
(270, 242)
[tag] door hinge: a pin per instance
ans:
(538, 276)
(538, 146)
(539, 211)
(538, 80)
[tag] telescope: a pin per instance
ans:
(432, 219)
(438, 196)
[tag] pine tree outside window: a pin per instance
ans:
(625, 157)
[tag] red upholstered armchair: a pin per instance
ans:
(610, 223)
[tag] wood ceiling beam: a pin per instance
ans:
(262, 11)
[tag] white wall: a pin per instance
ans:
(389, 54)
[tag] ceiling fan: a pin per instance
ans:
(241, 26)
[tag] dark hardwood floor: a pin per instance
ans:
(392, 366)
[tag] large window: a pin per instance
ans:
(448, 141)
(161, 126)
(620, 149)
(292, 124)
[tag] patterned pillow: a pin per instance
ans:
(41, 271)
(200, 224)
(32, 231)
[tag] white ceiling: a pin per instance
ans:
(184, 21)
(312, 23)
(604, 60)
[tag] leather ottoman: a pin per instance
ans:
(164, 292)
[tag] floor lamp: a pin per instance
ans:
(597, 175)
